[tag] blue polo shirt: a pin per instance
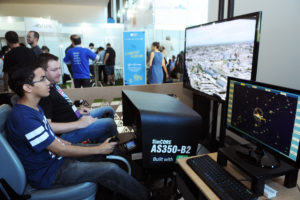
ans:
(29, 134)
(79, 58)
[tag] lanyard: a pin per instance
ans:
(65, 96)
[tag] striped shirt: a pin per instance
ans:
(29, 134)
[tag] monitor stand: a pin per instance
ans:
(255, 155)
(257, 174)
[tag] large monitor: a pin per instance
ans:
(220, 49)
(266, 115)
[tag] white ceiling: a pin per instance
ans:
(73, 2)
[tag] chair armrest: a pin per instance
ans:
(120, 158)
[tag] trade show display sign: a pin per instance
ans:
(42, 25)
(134, 58)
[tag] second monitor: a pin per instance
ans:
(268, 116)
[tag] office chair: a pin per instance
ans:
(12, 171)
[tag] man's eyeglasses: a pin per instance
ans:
(43, 78)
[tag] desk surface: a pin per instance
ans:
(277, 183)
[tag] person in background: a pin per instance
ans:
(102, 75)
(32, 40)
(79, 58)
(109, 62)
(91, 62)
(18, 54)
(171, 69)
(179, 66)
(3, 51)
(67, 49)
(157, 64)
(163, 51)
(45, 49)
(91, 47)
(49, 161)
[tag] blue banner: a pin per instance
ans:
(134, 58)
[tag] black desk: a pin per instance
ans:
(166, 128)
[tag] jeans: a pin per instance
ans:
(98, 131)
(107, 174)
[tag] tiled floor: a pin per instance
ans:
(117, 106)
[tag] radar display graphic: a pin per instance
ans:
(266, 116)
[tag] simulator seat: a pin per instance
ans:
(12, 171)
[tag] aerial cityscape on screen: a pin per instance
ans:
(216, 51)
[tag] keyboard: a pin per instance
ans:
(224, 185)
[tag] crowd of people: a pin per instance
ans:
(81, 61)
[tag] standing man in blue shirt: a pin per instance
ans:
(79, 58)
(49, 161)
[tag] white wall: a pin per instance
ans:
(279, 52)
(62, 12)
(213, 9)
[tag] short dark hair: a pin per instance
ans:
(72, 36)
(12, 37)
(23, 74)
(156, 44)
(91, 44)
(44, 58)
(3, 50)
(161, 48)
(77, 40)
(100, 48)
(108, 44)
(45, 48)
(35, 34)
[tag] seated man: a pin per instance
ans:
(50, 161)
(64, 118)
